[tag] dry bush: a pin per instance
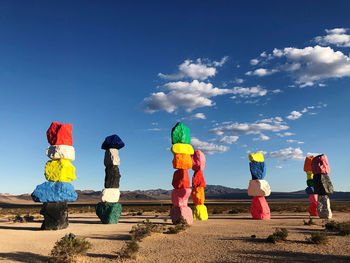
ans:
(280, 235)
(68, 248)
(319, 237)
(341, 228)
(129, 250)
(310, 222)
(144, 229)
(181, 225)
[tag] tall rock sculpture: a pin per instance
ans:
(198, 183)
(258, 187)
(182, 151)
(57, 191)
(310, 186)
(322, 185)
(109, 210)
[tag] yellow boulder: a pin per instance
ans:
(310, 175)
(60, 170)
(200, 212)
(182, 148)
(256, 157)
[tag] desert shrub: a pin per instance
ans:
(181, 225)
(280, 235)
(165, 220)
(342, 228)
(332, 226)
(139, 213)
(18, 219)
(319, 237)
(68, 248)
(129, 250)
(310, 222)
(144, 229)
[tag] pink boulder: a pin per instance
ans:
(179, 197)
(313, 205)
(198, 179)
(198, 161)
(260, 208)
(181, 179)
(177, 212)
(319, 165)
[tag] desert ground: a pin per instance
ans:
(223, 238)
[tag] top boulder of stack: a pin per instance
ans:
(256, 157)
(307, 163)
(320, 165)
(198, 161)
(60, 134)
(180, 134)
(112, 141)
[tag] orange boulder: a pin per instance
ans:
(198, 195)
(182, 161)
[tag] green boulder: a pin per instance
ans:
(310, 183)
(109, 213)
(180, 134)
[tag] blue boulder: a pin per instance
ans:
(54, 192)
(257, 170)
(309, 190)
(112, 141)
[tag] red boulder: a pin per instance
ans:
(198, 179)
(313, 205)
(60, 134)
(260, 208)
(181, 179)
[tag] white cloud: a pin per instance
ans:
(294, 141)
(239, 81)
(252, 92)
(191, 69)
(275, 91)
(285, 134)
(228, 139)
(262, 137)
(221, 62)
(198, 115)
(207, 147)
(313, 154)
(294, 115)
(187, 95)
(287, 154)
(153, 129)
(261, 72)
(278, 166)
(336, 36)
(254, 62)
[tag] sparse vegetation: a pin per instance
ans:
(319, 237)
(129, 250)
(341, 228)
(280, 235)
(181, 225)
(20, 219)
(68, 248)
(310, 222)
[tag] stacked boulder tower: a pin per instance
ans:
(258, 187)
(57, 191)
(200, 211)
(182, 151)
(322, 185)
(310, 186)
(109, 210)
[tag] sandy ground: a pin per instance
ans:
(223, 238)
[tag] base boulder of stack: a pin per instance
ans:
(55, 216)
(260, 208)
(313, 205)
(200, 212)
(177, 212)
(324, 207)
(109, 213)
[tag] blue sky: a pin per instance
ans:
(244, 76)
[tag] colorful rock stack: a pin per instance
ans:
(182, 150)
(322, 185)
(58, 172)
(109, 210)
(258, 187)
(198, 183)
(310, 186)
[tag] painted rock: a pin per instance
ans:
(109, 213)
(309, 175)
(259, 188)
(257, 170)
(260, 208)
(59, 170)
(198, 196)
(112, 141)
(256, 157)
(310, 190)
(198, 179)
(59, 134)
(181, 179)
(313, 205)
(110, 195)
(55, 216)
(112, 177)
(198, 161)
(54, 192)
(182, 161)
(200, 212)
(182, 148)
(307, 163)
(179, 197)
(180, 133)
(177, 212)
(55, 152)
(322, 184)
(111, 157)
(319, 165)
(310, 182)
(324, 207)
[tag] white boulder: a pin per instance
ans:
(110, 195)
(259, 188)
(324, 207)
(55, 152)
(112, 157)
